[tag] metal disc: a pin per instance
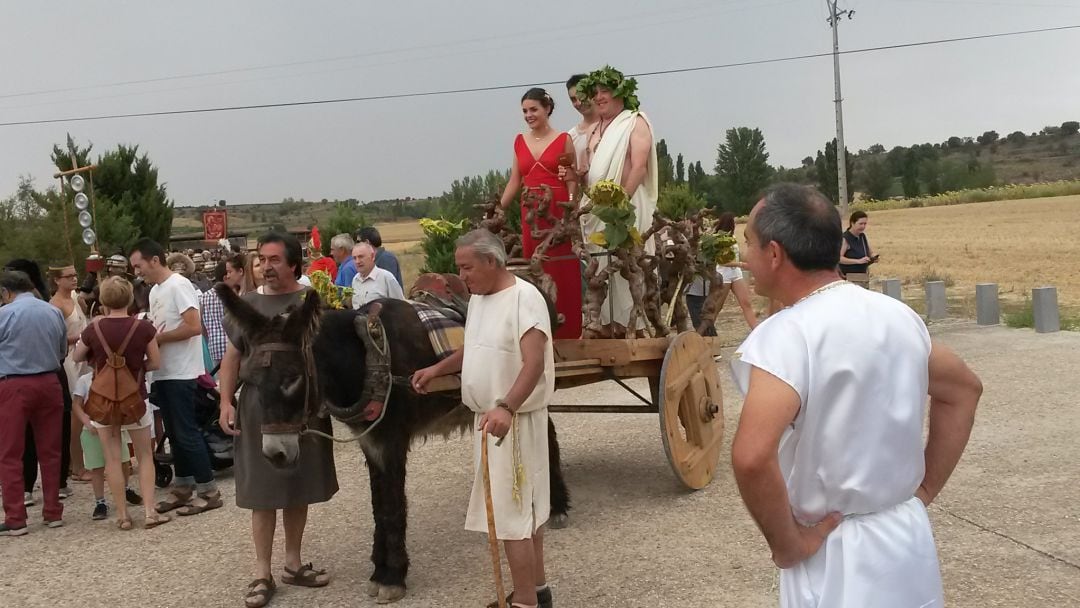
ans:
(77, 183)
(88, 236)
(85, 219)
(82, 201)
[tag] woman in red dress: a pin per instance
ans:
(537, 156)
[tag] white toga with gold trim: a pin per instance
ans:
(520, 479)
(608, 162)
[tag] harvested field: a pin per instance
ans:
(1017, 244)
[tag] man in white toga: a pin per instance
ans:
(828, 455)
(507, 367)
(620, 149)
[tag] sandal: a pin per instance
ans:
(306, 576)
(124, 523)
(155, 520)
(201, 503)
(84, 477)
(176, 499)
(543, 598)
(256, 597)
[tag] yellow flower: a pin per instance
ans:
(597, 238)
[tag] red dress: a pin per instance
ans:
(563, 267)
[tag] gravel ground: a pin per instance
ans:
(636, 537)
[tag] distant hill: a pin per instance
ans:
(958, 162)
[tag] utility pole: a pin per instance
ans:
(841, 153)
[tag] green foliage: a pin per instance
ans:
(827, 172)
(742, 169)
(717, 248)
(459, 202)
(680, 170)
(1016, 137)
(981, 195)
(875, 179)
(439, 238)
(346, 218)
(613, 80)
(665, 166)
(678, 201)
(987, 138)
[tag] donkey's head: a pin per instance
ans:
(278, 364)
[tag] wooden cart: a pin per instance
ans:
(684, 387)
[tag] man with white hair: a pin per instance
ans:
(341, 250)
(371, 282)
(507, 367)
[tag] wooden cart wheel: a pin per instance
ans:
(691, 410)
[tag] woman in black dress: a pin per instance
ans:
(855, 253)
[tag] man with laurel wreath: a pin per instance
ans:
(620, 149)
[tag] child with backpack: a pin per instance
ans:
(94, 456)
(121, 349)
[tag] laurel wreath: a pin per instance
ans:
(612, 79)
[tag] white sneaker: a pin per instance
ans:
(56, 523)
(28, 499)
(65, 492)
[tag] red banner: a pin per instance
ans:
(215, 225)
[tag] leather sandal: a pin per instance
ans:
(176, 499)
(124, 523)
(156, 520)
(201, 503)
(256, 597)
(306, 576)
(543, 598)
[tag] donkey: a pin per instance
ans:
(314, 361)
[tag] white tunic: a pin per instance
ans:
(492, 361)
(859, 363)
(608, 163)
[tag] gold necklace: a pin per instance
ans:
(825, 287)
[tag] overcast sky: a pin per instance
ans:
(416, 146)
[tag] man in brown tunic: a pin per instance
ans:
(260, 486)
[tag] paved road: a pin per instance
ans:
(636, 538)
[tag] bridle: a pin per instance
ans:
(266, 352)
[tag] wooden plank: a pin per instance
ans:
(612, 352)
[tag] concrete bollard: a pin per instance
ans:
(1044, 306)
(936, 304)
(987, 307)
(891, 288)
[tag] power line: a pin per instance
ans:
(340, 58)
(520, 86)
(518, 42)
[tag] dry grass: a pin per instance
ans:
(403, 239)
(1017, 244)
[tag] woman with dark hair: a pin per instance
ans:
(855, 253)
(538, 156)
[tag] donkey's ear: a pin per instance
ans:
(304, 321)
(246, 317)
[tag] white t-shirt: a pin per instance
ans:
(82, 386)
(181, 360)
(493, 329)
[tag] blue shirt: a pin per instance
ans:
(345, 273)
(33, 338)
(388, 262)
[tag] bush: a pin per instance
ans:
(438, 244)
(677, 202)
(981, 195)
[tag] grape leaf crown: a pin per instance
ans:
(612, 79)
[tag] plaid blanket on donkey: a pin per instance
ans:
(446, 334)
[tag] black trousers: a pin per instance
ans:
(30, 461)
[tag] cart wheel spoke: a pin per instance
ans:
(691, 410)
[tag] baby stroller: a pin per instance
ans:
(218, 444)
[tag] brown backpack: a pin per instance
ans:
(114, 397)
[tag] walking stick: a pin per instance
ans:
(493, 542)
